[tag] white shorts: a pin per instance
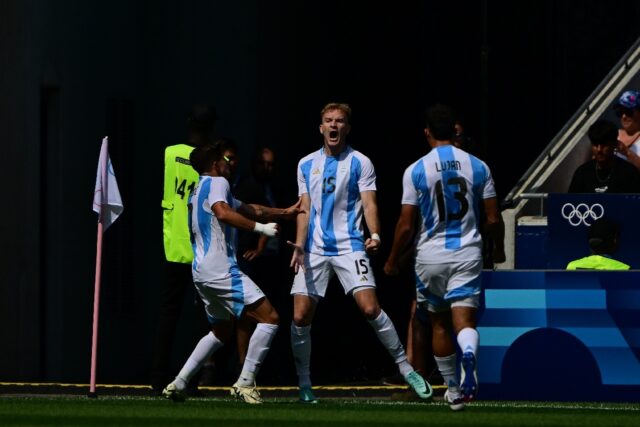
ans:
(353, 270)
(442, 286)
(228, 296)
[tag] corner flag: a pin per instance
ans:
(108, 204)
(106, 198)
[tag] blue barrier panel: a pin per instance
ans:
(532, 242)
(560, 335)
(570, 215)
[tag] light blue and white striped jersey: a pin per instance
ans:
(334, 185)
(448, 185)
(213, 242)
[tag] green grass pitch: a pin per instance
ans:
(218, 412)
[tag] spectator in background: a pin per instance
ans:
(179, 181)
(256, 188)
(603, 242)
(628, 110)
(605, 172)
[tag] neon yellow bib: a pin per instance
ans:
(179, 181)
(597, 262)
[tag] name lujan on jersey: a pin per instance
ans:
(447, 165)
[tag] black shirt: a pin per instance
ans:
(623, 177)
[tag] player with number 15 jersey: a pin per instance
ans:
(337, 189)
(334, 184)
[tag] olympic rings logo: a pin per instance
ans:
(582, 213)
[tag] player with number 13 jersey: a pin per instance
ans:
(457, 181)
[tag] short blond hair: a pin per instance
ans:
(337, 106)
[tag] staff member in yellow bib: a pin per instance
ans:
(603, 241)
(179, 181)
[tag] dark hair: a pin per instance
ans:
(203, 156)
(441, 121)
(603, 132)
(202, 118)
(602, 235)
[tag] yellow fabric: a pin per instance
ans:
(179, 181)
(597, 262)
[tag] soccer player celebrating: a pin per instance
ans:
(214, 216)
(337, 184)
(446, 188)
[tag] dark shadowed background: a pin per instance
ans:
(74, 71)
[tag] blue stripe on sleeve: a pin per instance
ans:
(419, 179)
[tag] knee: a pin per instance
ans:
(273, 318)
(440, 332)
(371, 311)
(301, 318)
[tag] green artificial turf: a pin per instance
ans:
(144, 411)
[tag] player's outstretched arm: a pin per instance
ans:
(227, 215)
(265, 213)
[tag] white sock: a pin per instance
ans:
(301, 347)
(205, 348)
(389, 338)
(259, 345)
(447, 368)
(468, 339)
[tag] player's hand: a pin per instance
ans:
(252, 254)
(297, 259)
(292, 211)
(391, 268)
(372, 246)
(498, 256)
